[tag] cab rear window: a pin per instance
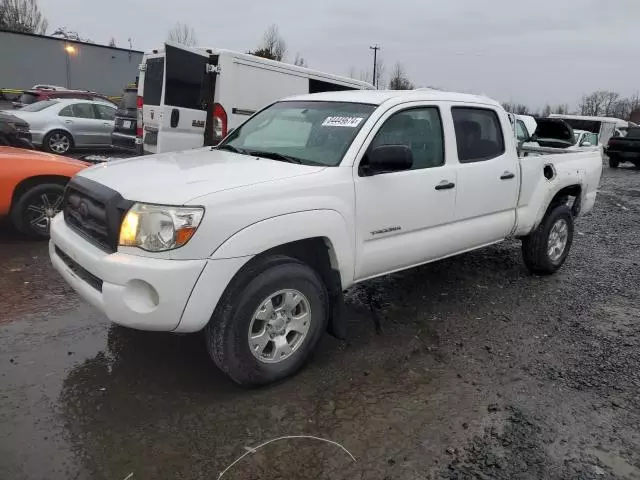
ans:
(153, 79)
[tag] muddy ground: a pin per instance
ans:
(480, 371)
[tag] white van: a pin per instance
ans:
(603, 127)
(181, 88)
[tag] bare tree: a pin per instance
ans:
(112, 42)
(273, 45)
(64, 32)
(517, 108)
(546, 111)
(300, 61)
(399, 79)
(183, 34)
(22, 16)
(380, 71)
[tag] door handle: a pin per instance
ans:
(507, 176)
(445, 185)
(106, 124)
(68, 122)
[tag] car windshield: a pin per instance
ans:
(311, 133)
(36, 107)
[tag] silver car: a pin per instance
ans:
(60, 125)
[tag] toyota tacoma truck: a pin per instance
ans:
(253, 241)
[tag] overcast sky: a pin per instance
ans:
(530, 52)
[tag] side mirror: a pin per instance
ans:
(389, 158)
(230, 131)
(585, 144)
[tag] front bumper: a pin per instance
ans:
(141, 292)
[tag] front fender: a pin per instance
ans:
(276, 231)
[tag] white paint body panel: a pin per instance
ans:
(252, 205)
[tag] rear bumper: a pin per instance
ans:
(123, 141)
(625, 156)
(141, 292)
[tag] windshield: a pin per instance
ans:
(36, 107)
(312, 133)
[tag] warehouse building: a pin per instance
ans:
(27, 59)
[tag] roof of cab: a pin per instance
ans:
(378, 97)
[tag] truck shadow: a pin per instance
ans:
(159, 397)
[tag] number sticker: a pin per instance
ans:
(351, 122)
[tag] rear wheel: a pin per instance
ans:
(58, 142)
(545, 250)
(614, 161)
(33, 210)
(268, 321)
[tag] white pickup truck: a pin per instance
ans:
(253, 241)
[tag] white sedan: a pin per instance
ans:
(59, 126)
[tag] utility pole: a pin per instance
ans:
(375, 49)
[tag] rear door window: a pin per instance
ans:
(83, 110)
(186, 79)
(478, 134)
(28, 98)
(103, 112)
(153, 80)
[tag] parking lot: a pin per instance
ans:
(477, 370)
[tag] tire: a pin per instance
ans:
(536, 246)
(58, 142)
(32, 212)
(614, 161)
(227, 333)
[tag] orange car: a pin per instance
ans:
(32, 186)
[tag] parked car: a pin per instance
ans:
(184, 102)
(14, 132)
(32, 96)
(31, 187)
(255, 240)
(47, 87)
(124, 136)
(625, 149)
(59, 126)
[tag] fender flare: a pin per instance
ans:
(558, 187)
(282, 229)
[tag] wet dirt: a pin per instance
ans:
(478, 370)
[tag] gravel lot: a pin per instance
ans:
(479, 370)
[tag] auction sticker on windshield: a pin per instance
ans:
(351, 122)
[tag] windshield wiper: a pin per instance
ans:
(275, 156)
(230, 148)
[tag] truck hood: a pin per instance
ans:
(175, 178)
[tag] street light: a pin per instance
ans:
(69, 51)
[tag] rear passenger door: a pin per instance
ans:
(488, 175)
(106, 114)
(81, 121)
(404, 218)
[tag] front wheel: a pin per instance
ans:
(545, 250)
(34, 209)
(268, 321)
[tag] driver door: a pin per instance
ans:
(403, 218)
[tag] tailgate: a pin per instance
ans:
(623, 144)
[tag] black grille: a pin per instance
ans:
(81, 272)
(95, 212)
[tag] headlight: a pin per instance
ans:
(157, 228)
